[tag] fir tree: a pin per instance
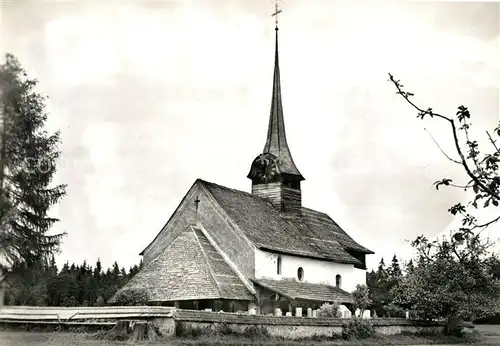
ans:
(381, 271)
(395, 269)
(28, 157)
(98, 269)
(409, 266)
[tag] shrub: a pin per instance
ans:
(100, 301)
(357, 328)
(393, 310)
(188, 331)
(132, 297)
(69, 301)
(361, 296)
(223, 329)
(329, 310)
(252, 332)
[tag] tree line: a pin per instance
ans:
(44, 284)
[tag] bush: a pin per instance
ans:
(223, 329)
(357, 328)
(69, 301)
(329, 310)
(252, 332)
(393, 310)
(361, 296)
(100, 301)
(131, 297)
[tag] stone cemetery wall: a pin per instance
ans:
(190, 322)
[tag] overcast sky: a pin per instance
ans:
(151, 96)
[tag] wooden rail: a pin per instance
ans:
(67, 314)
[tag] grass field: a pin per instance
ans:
(19, 338)
(491, 336)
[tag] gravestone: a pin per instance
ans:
(298, 312)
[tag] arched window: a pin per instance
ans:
(300, 274)
(278, 265)
(338, 281)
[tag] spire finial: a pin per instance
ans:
(276, 12)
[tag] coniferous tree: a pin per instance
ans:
(74, 285)
(395, 269)
(409, 266)
(28, 157)
(381, 268)
(98, 269)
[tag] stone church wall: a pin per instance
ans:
(315, 271)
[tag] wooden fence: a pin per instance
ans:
(73, 314)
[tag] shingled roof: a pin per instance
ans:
(190, 268)
(313, 234)
(306, 291)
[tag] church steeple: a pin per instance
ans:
(276, 143)
(273, 173)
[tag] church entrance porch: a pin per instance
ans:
(288, 295)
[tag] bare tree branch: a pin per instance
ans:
(437, 144)
(493, 142)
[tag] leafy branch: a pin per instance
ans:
(462, 114)
(482, 170)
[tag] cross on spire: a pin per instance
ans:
(276, 12)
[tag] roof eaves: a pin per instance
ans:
(360, 249)
(324, 258)
(273, 289)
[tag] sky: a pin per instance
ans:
(150, 96)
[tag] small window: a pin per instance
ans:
(278, 264)
(338, 281)
(300, 274)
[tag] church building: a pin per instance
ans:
(231, 250)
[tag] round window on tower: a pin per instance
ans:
(300, 274)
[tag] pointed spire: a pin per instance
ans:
(276, 143)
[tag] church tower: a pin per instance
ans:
(273, 173)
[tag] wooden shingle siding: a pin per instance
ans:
(180, 219)
(189, 268)
(270, 192)
(291, 201)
